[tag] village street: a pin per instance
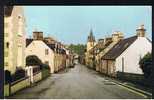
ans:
(76, 83)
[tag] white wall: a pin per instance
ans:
(37, 47)
(132, 56)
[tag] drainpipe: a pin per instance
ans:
(122, 65)
(107, 67)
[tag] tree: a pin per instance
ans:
(33, 60)
(146, 65)
(79, 48)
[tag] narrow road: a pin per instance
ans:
(76, 83)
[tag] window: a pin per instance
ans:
(47, 62)
(6, 64)
(7, 44)
(46, 51)
(19, 16)
(6, 53)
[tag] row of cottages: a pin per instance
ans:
(48, 50)
(14, 38)
(115, 53)
(126, 54)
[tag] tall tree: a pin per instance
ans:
(79, 48)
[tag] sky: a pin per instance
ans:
(72, 24)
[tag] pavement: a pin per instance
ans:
(78, 83)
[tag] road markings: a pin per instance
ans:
(140, 90)
(132, 91)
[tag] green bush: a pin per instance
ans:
(33, 60)
(146, 65)
(45, 73)
(19, 73)
(44, 66)
(7, 77)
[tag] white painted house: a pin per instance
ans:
(43, 51)
(126, 54)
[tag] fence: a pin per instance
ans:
(134, 78)
(37, 76)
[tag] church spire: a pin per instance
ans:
(91, 38)
(91, 33)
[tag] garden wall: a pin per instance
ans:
(20, 84)
(134, 78)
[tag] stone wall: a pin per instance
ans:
(134, 78)
(20, 84)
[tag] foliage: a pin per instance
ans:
(146, 65)
(45, 73)
(44, 66)
(33, 60)
(79, 48)
(19, 73)
(7, 77)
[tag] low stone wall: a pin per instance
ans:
(20, 84)
(134, 78)
(6, 90)
(37, 76)
(24, 82)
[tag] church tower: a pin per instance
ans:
(91, 41)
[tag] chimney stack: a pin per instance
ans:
(107, 40)
(37, 35)
(116, 36)
(140, 31)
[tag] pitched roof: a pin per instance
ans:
(8, 11)
(100, 46)
(28, 41)
(62, 51)
(51, 46)
(120, 47)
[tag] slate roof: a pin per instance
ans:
(8, 10)
(62, 51)
(101, 48)
(119, 48)
(28, 41)
(51, 46)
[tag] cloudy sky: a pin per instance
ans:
(72, 24)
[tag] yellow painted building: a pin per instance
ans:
(14, 38)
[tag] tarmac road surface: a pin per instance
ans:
(77, 83)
